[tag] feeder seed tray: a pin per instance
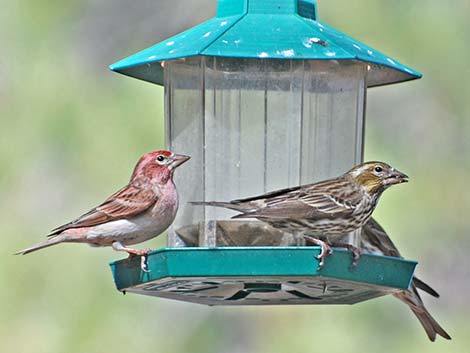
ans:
(262, 276)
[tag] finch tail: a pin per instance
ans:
(430, 325)
(60, 238)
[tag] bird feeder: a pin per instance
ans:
(263, 96)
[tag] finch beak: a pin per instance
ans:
(396, 177)
(177, 160)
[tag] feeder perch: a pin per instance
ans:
(263, 96)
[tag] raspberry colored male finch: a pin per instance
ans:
(141, 210)
(329, 208)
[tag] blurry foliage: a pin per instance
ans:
(71, 133)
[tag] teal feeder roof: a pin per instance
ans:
(262, 275)
(264, 29)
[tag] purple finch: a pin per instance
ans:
(141, 210)
(329, 208)
(374, 240)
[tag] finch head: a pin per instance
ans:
(158, 164)
(377, 176)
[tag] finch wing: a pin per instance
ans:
(269, 195)
(127, 202)
(316, 201)
(424, 287)
(376, 236)
(288, 209)
(324, 203)
(249, 204)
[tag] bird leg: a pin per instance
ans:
(325, 249)
(134, 252)
(356, 252)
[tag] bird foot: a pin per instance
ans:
(356, 252)
(325, 249)
(143, 263)
(143, 253)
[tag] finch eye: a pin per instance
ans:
(160, 158)
(378, 169)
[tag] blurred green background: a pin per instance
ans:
(72, 131)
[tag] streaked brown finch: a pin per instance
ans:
(329, 208)
(374, 240)
(141, 210)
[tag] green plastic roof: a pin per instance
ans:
(264, 29)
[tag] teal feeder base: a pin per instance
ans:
(262, 276)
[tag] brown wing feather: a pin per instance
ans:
(376, 236)
(129, 201)
(269, 195)
(293, 209)
(290, 209)
(425, 287)
(321, 200)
